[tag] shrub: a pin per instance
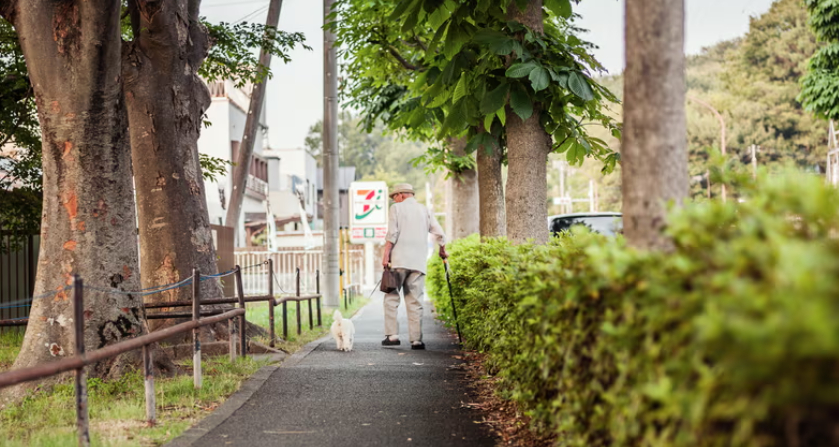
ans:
(731, 338)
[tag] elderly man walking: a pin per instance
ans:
(409, 224)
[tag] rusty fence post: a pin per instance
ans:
(317, 291)
(297, 307)
(196, 333)
(285, 320)
(311, 322)
(82, 414)
(271, 303)
(240, 288)
(148, 374)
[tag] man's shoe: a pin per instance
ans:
(388, 342)
(417, 345)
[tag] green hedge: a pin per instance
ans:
(731, 338)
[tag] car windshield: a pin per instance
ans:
(607, 225)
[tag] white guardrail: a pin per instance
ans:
(286, 263)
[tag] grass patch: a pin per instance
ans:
(117, 407)
(9, 346)
(257, 313)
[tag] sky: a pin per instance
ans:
(294, 98)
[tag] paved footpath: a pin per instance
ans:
(372, 396)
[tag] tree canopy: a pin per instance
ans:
(439, 69)
(231, 56)
(820, 87)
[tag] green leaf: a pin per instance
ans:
(455, 38)
(498, 42)
(576, 153)
(411, 18)
(539, 79)
(502, 115)
(435, 41)
(579, 86)
(460, 88)
(565, 145)
(560, 78)
(448, 72)
(521, 69)
(456, 119)
(495, 99)
(441, 98)
(520, 102)
(401, 8)
(432, 5)
(488, 120)
(561, 8)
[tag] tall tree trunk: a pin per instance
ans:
(491, 193)
(462, 214)
(72, 50)
(653, 155)
(166, 101)
(528, 145)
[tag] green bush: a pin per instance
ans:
(730, 338)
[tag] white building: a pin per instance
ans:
(277, 179)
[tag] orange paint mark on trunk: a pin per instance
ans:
(71, 204)
(70, 245)
(54, 107)
(126, 272)
(68, 146)
(80, 226)
(61, 295)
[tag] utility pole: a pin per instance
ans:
(331, 201)
(722, 138)
(243, 158)
(754, 148)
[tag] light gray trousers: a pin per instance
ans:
(413, 287)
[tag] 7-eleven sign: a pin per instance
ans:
(368, 212)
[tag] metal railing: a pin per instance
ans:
(238, 342)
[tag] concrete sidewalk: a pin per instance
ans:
(372, 396)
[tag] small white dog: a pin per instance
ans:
(343, 331)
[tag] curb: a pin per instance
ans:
(193, 434)
(225, 410)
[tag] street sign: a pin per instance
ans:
(368, 212)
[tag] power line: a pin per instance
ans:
(215, 5)
(253, 14)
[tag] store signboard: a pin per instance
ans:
(368, 212)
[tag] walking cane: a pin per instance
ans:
(454, 308)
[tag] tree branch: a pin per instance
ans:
(7, 10)
(392, 50)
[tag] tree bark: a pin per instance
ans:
(463, 213)
(528, 145)
(654, 154)
(72, 50)
(243, 158)
(166, 100)
(491, 193)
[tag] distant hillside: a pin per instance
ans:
(753, 82)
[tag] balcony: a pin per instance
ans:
(256, 188)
